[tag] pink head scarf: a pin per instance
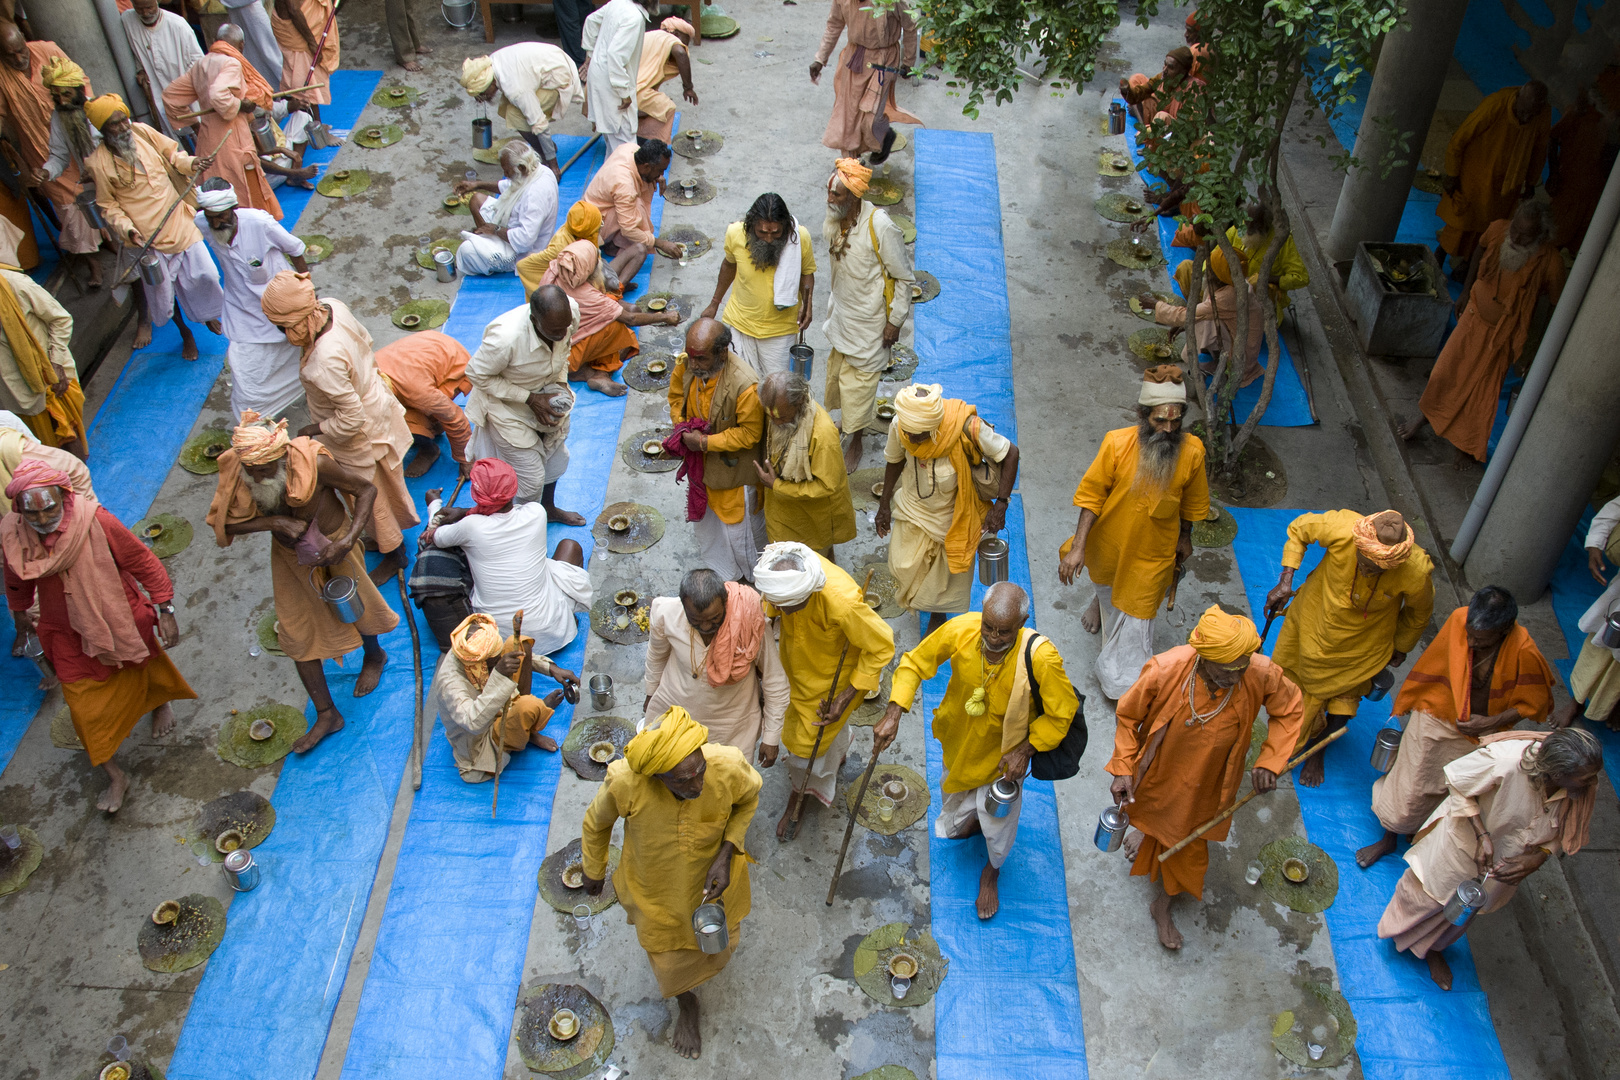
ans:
(32, 473)
(494, 484)
(571, 271)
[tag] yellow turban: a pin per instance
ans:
(1223, 637)
(660, 749)
(60, 73)
(102, 110)
(1384, 556)
(584, 221)
(920, 409)
(477, 638)
(477, 73)
(257, 442)
(855, 176)
(674, 25)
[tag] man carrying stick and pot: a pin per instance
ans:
(827, 634)
(1181, 736)
(990, 722)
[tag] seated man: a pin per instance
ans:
(604, 340)
(1147, 96)
(663, 56)
(286, 165)
(517, 222)
(485, 704)
(440, 583)
(1214, 319)
(1287, 269)
(622, 190)
(426, 370)
(505, 546)
(584, 222)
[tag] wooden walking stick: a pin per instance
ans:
(523, 680)
(1230, 810)
(849, 830)
(416, 660)
(796, 803)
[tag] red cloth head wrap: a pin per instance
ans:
(494, 484)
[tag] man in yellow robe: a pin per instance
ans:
(1360, 611)
(1493, 161)
(825, 629)
(804, 489)
(686, 805)
(1287, 269)
(989, 723)
(1138, 502)
(38, 378)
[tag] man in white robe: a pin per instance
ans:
(613, 37)
(517, 222)
(165, 46)
(535, 82)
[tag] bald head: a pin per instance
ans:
(1529, 101)
(1390, 527)
(708, 342)
(550, 314)
(232, 35)
(14, 47)
(1006, 609)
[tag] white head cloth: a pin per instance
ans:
(789, 587)
(216, 202)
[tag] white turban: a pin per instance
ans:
(216, 202)
(789, 587)
(919, 408)
(1163, 385)
(477, 73)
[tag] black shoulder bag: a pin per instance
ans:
(1063, 760)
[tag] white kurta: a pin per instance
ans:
(264, 364)
(856, 311)
(613, 37)
(165, 52)
(732, 713)
(529, 225)
(60, 155)
(538, 81)
(1597, 536)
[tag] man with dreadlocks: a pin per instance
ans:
(482, 694)
(72, 137)
(802, 484)
(770, 263)
(1138, 502)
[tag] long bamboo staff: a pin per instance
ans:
(118, 274)
(416, 660)
(184, 118)
(500, 721)
(849, 829)
(796, 804)
(1230, 810)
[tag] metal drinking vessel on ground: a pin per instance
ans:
(10, 838)
(1608, 634)
(241, 872)
(444, 264)
(343, 593)
(1116, 119)
(1381, 684)
(1254, 872)
(1385, 748)
(35, 651)
(709, 924)
(899, 987)
(801, 358)
(601, 692)
(1111, 826)
(1466, 901)
(483, 134)
(582, 916)
(993, 557)
(1001, 796)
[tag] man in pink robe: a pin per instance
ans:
(880, 46)
(228, 87)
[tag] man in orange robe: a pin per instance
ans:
(863, 89)
(1580, 155)
(1138, 502)
(1181, 736)
(426, 371)
(303, 29)
(663, 56)
(1481, 674)
(1494, 160)
(229, 87)
(1512, 268)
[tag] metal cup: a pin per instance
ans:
(87, 203)
(709, 924)
(483, 133)
(1608, 634)
(241, 872)
(601, 692)
(993, 559)
(343, 593)
(35, 651)
(444, 264)
(1465, 902)
(1111, 826)
(801, 358)
(151, 269)
(1002, 795)
(1381, 684)
(1116, 119)
(1385, 747)
(263, 126)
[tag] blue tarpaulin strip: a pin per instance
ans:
(1406, 1026)
(1019, 966)
(351, 93)
(448, 963)
(1289, 405)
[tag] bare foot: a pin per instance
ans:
(686, 1039)
(1439, 970)
(423, 50)
(162, 721)
(543, 741)
(785, 829)
(563, 517)
(1409, 430)
(370, 673)
(1375, 851)
(1132, 844)
(603, 383)
(1312, 772)
(113, 797)
(188, 348)
(392, 563)
(426, 455)
(411, 65)
(1169, 936)
(989, 900)
(215, 327)
(1091, 619)
(326, 722)
(852, 453)
(143, 335)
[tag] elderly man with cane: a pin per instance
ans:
(1180, 739)
(995, 717)
(482, 692)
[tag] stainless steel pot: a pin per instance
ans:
(459, 14)
(444, 264)
(709, 924)
(1116, 119)
(1000, 798)
(342, 592)
(483, 133)
(1465, 902)
(263, 126)
(241, 872)
(801, 358)
(1608, 634)
(993, 560)
(1385, 748)
(87, 204)
(1381, 684)
(151, 265)
(34, 649)
(1112, 825)
(601, 692)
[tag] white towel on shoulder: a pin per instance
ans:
(785, 285)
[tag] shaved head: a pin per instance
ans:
(14, 47)
(1006, 602)
(232, 35)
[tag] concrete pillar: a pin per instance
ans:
(88, 31)
(1405, 90)
(1569, 441)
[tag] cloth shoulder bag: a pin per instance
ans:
(1063, 760)
(986, 474)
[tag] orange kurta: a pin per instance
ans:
(1439, 682)
(217, 82)
(138, 198)
(874, 39)
(605, 350)
(1493, 157)
(426, 370)
(656, 108)
(1186, 772)
(1460, 399)
(296, 58)
(1132, 545)
(1578, 174)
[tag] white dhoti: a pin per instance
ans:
(259, 45)
(823, 771)
(852, 387)
(536, 466)
(482, 256)
(922, 572)
(729, 550)
(960, 807)
(1404, 797)
(190, 274)
(1127, 645)
(264, 376)
(764, 355)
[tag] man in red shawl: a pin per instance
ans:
(95, 623)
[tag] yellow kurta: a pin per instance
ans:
(1288, 268)
(972, 744)
(1132, 546)
(727, 503)
(811, 640)
(817, 512)
(1342, 625)
(670, 843)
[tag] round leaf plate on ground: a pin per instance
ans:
(451, 244)
(1152, 345)
(175, 537)
(888, 1072)
(378, 136)
(394, 96)
(1326, 1008)
(1116, 206)
(870, 711)
(564, 899)
(1316, 892)
(702, 192)
(930, 286)
(900, 141)
(902, 364)
(719, 26)
(594, 729)
(907, 811)
(580, 1056)
(698, 144)
(883, 584)
(681, 302)
(1217, 533)
(1114, 163)
(139, 1069)
(63, 734)
(194, 457)
(248, 812)
(186, 942)
(646, 528)
(1143, 256)
(872, 958)
(697, 244)
(637, 377)
(432, 311)
(638, 459)
(461, 205)
(17, 866)
(269, 640)
(240, 748)
(317, 248)
(1145, 314)
(604, 620)
(1429, 181)
(885, 191)
(342, 183)
(860, 487)
(492, 156)
(908, 228)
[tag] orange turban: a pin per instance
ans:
(1222, 637)
(1382, 555)
(102, 110)
(289, 301)
(856, 177)
(585, 221)
(1223, 273)
(475, 643)
(257, 442)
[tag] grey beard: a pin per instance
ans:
(835, 232)
(765, 253)
(77, 128)
(124, 146)
(1157, 454)
(268, 495)
(780, 436)
(47, 529)
(1512, 257)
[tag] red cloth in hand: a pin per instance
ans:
(691, 470)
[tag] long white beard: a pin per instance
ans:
(1512, 257)
(268, 495)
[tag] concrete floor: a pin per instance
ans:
(72, 977)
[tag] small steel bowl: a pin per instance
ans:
(573, 877)
(341, 174)
(154, 530)
(873, 600)
(410, 321)
(694, 135)
(228, 841)
(1119, 161)
(1133, 207)
(398, 92)
(688, 187)
(885, 412)
(657, 367)
(452, 201)
(261, 729)
(657, 303)
(1296, 871)
(564, 1025)
(212, 452)
(619, 522)
(877, 489)
(916, 292)
(653, 448)
(166, 912)
(603, 752)
(903, 966)
(626, 597)
(374, 133)
(1159, 352)
(896, 790)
